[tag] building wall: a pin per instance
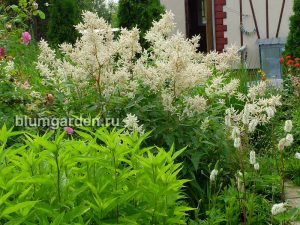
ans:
(178, 8)
(232, 20)
(229, 29)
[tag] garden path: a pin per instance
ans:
(292, 194)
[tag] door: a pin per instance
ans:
(199, 22)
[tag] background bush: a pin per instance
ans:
(141, 13)
(63, 15)
(293, 43)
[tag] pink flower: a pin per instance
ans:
(2, 52)
(69, 130)
(26, 38)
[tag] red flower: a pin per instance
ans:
(290, 62)
(288, 57)
(263, 78)
(297, 65)
(2, 52)
(297, 59)
(281, 60)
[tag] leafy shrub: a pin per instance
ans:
(98, 7)
(140, 14)
(101, 178)
(63, 15)
(292, 47)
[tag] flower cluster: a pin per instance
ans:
(288, 61)
(278, 208)
(262, 75)
(293, 71)
(258, 110)
(213, 175)
(289, 139)
(26, 38)
(253, 160)
(170, 69)
(131, 124)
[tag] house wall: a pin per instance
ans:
(178, 8)
(228, 32)
(232, 20)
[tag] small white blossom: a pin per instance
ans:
(205, 123)
(252, 125)
(194, 105)
(289, 140)
(297, 155)
(213, 175)
(282, 144)
(9, 67)
(270, 112)
(237, 142)
(288, 126)
(256, 166)
(35, 5)
(131, 124)
(278, 208)
(235, 132)
(240, 183)
(252, 158)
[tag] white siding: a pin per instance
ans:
(233, 24)
(178, 8)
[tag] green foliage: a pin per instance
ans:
(100, 7)
(141, 14)
(101, 178)
(63, 15)
(293, 43)
(13, 98)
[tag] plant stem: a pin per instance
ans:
(116, 183)
(282, 177)
(58, 177)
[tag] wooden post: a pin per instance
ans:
(280, 18)
(187, 18)
(241, 21)
(209, 25)
(267, 18)
(254, 17)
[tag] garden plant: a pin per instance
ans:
(185, 137)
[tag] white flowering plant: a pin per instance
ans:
(178, 93)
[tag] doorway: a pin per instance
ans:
(199, 22)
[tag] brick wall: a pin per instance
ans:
(220, 15)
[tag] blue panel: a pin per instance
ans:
(269, 56)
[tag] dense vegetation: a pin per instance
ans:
(139, 14)
(293, 43)
(224, 144)
(64, 15)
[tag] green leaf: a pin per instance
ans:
(14, 8)
(5, 197)
(42, 15)
(58, 219)
(17, 207)
(76, 212)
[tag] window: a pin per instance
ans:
(201, 12)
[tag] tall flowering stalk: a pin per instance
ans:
(282, 145)
(258, 110)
